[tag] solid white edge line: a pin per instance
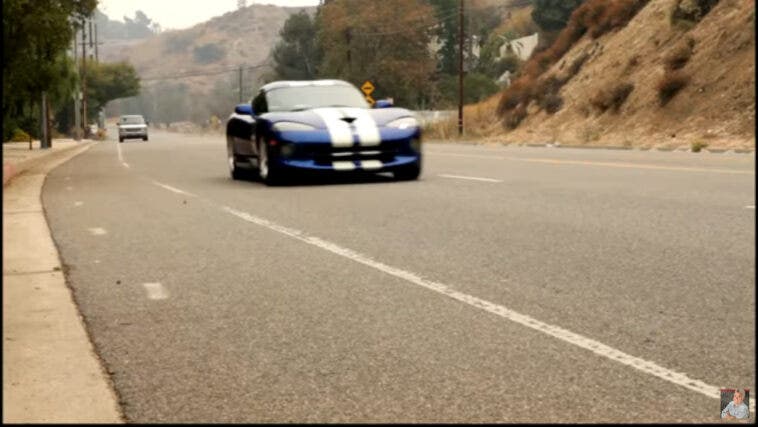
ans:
(565, 335)
(173, 189)
(470, 178)
(155, 291)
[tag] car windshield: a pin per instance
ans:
(132, 120)
(298, 98)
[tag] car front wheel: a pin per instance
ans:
(266, 173)
(408, 173)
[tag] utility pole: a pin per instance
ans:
(85, 128)
(77, 107)
(460, 69)
(96, 43)
(240, 87)
(347, 39)
(43, 123)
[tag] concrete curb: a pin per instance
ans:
(13, 169)
(51, 373)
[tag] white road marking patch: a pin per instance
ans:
(343, 166)
(173, 189)
(371, 164)
(97, 231)
(69, 188)
(126, 165)
(77, 203)
(472, 178)
(339, 131)
(155, 291)
(750, 207)
(562, 334)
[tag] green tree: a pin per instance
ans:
(552, 15)
(109, 81)
(35, 35)
(296, 56)
(387, 42)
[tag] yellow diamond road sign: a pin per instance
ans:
(367, 88)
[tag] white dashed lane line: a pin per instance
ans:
(173, 189)
(470, 178)
(97, 231)
(78, 203)
(155, 291)
(750, 207)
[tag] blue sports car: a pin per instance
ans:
(320, 125)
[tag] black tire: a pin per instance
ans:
(234, 171)
(121, 140)
(408, 173)
(144, 139)
(268, 175)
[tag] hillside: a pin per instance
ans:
(241, 37)
(716, 105)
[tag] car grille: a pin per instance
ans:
(326, 154)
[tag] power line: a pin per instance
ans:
(204, 73)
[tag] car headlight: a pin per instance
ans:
(403, 123)
(291, 126)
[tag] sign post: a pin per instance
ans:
(368, 88)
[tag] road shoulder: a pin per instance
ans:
(51, 373)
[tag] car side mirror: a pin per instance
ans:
(244, 109)
(384, 103)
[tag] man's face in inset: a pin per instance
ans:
(737, 399)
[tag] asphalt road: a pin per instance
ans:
(508, 284)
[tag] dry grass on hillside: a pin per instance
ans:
(652, 83)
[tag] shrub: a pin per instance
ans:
(208, 53)
(679, 55)
(671, 83)
(690, 12)
(697, 146)
(20, 136)
(552, 103)
(519, 92)
(612, 97)
(178, 42)
(514, 117)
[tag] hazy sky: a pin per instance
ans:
(177, 14)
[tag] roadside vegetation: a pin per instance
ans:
(36, 61)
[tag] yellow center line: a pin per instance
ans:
(632, 165)
(607, 164)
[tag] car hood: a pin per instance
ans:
(328, 117)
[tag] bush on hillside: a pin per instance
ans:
(612, 97)
(208, 53)
(679, 55)
(671, 83)
(691, 11)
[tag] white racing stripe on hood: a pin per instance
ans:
(365, 126)
(339, 131)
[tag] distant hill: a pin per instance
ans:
(241, 37)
